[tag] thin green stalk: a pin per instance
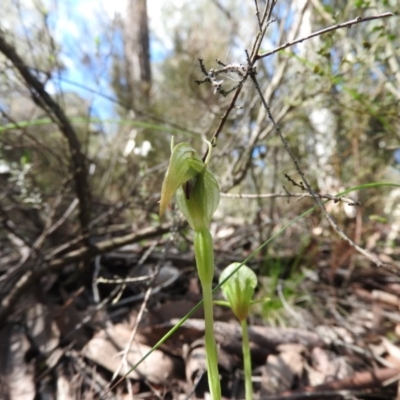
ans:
(211, 347)
(246, 361)
(204, 253)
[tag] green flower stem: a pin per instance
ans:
(204, 253)
(211, 347)
(247, 361)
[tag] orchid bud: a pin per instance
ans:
(197, 191)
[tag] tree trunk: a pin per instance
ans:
(137, 53)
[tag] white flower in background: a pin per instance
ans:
(144, 149)
(130, 145)
(4, 167)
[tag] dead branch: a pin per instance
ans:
(327, 196)
(347, 24)
(265, 21)
(316, 198)
(41, 97)
(9, 300)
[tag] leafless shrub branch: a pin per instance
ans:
(250, 71)
(42, 98)
(347, 24)
(315, 196)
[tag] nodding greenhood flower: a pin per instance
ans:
(196, 189)
(197, 195)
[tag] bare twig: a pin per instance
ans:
(265, 21)
(316, 198)
(336, 199)
(9, 300)
(347, 24)
(124, 360)
(124, 280)
(223, 120)
(327, 196)
(140, 262)
(258, 15)
(63, 218)
(92, 313)
(261, 129)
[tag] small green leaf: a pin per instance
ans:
(239, 288)
(378, 218)
(26, 158)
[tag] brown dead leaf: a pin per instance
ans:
(64, 389)
(174, 309)
(392, 350)
(385, 297)
(106, 348)
(326, 367)
(281, 371)
(69, 323)
(195, 360)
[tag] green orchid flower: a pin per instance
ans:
(197, 195)
(196, 189)
(239, 288)
(238, 283)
